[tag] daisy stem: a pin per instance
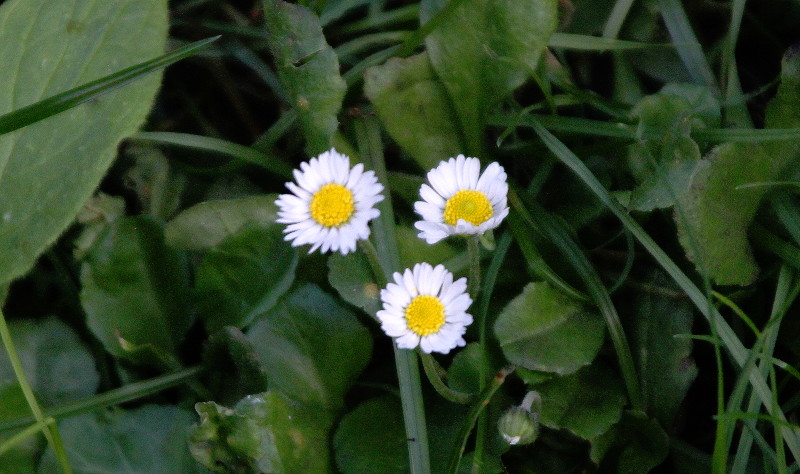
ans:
(433, 371)
(474, 251)
(474, 412)
(368, 135)
(409, 381)
(51, 433)
(482, 315)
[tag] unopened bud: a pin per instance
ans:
(520, 424)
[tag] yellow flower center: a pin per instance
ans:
(332, 205)
(425, 315)
(470, 205)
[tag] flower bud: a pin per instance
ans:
(520, 425)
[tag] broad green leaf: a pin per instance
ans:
(352, 277)
(484, 51)
(714, 213)
(135, 289)
(49, 169)
(240, 279)
(666, 155)
(464, 373)
(543, 329)
(148, 439)
(308, 68)
(664, 361)
(59, 368)
(636, 445)
(207, 224)
(311, 347)
(414, 106)
(262, 433)
(586, 403)
(371, 438)
(232, 368)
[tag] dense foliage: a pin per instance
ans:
(634, 312)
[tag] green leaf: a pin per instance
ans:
(464, 373)
(414, 107)
(240, 279)
(207, 224)
(148, 439)
(135, 289)
(664, 361)
(666, 155)
(352, 277)
(586, 403)
(232, 366)
(371, 438)
(262, 433)
(635, 445)
(714, 213)
(59, 368)
(308, 68)
(50, 168)
(484, 51)
(311, 347)
(543, 329)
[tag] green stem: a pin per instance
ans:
(474, 412)
(368, 134)
(24, 434)
(432, 370)
(133, 391)
(474, 251)
(482, 316)
(52, 435)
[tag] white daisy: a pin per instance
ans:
(425, 307)
(461, 200)
(331, 205)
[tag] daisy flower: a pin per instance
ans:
(461, 200)
(331, 204)
(425, 307)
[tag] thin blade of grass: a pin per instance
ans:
(594, 43)
(127, 393)
(66, 100)
(686, 42)
(617, 18)
(216, 145)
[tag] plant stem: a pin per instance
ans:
(432, 371)
(51, 433)
(472, 416)
(482, 316)
(474, 251)
(368, 134)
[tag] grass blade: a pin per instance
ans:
(215, 145)
(66, 100)
(689, 48)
